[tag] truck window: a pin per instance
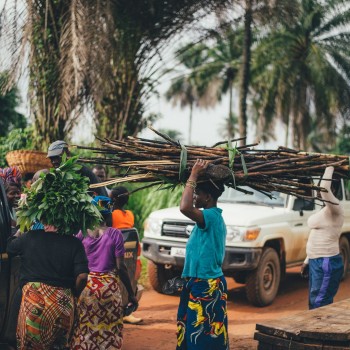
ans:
(347, 189)
(231, 195)
(338, 190)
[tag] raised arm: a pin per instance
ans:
(329, 196)
(186, 204)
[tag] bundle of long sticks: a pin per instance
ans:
(168, 162)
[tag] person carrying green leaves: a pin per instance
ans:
(54, 266)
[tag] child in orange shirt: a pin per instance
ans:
(122, 218)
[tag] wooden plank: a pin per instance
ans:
(328, 323)
(268, 341)
(276, 342)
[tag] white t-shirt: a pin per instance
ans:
(326, 224)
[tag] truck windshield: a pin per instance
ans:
(233, 196)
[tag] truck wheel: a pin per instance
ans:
(262, 284)
(158, 275)
(344, 249)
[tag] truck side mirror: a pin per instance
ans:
(299, 204)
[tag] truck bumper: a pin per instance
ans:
(236, 258)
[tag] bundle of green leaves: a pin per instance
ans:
(60, 198)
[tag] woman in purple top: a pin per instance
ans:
(100, 306)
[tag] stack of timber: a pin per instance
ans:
(168, 162)
(326, 328)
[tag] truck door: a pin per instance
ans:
(5, 230)
(302, 209)
(346, 205)
(131, 245)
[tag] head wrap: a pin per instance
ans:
(215, 189)
(102, 203)
(11, 175)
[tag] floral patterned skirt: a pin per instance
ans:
(100, 314)
(202, 315)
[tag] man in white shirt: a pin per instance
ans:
(323, 259)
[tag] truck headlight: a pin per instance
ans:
(233, 234)
(252, 233)
(152, 227)
(240, 234)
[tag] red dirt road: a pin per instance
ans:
(157, 332)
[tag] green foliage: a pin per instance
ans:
(143, 202)
(16, 139)
(60, 198)
(9, 101)
(301, 69)
(343, 142)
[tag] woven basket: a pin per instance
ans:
(28, 161)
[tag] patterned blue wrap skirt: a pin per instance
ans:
(202, 315)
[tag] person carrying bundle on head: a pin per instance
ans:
(54, 266)
(323, 264)
(202, 313)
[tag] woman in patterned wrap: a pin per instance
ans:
(12, 180)
(202, 313)
(53, 272)
(100, 308)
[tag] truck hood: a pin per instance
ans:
(233, 214)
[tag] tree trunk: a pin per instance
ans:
(245, 70)
(190, 124)
(287, 133)
(231, 128)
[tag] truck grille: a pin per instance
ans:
(176, 229)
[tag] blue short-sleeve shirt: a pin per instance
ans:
(205, 249)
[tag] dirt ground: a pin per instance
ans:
(157, 332)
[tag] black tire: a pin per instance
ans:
(262, 284)
(158, 275)
(344, 249)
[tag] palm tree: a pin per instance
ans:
(191, 89)
(212, 72)
(96, 53)
(257, 12)
(303, 69)
(224, 65)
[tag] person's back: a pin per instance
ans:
(122, 219)
(102, 250)
(326, 224)
(49, 257)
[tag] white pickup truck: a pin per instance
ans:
(264, 237)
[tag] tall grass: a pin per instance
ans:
(143, 202)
